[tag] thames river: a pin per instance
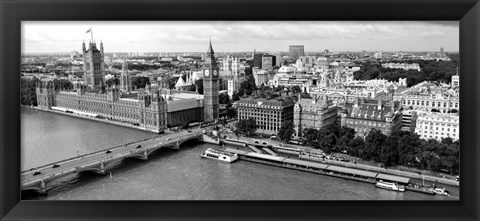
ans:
(173, 174)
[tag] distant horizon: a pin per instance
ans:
(216, 52)
(244, 36)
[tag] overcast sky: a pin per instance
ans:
(180, 36)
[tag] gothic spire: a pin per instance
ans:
(210, 48)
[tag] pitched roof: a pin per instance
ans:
(266, 103)
(369, 110)
(311, 104)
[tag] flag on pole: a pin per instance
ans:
(89, 30)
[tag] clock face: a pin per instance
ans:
(215, 73)
(207, 73)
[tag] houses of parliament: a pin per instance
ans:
(150, 109)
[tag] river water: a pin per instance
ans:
(173, 174)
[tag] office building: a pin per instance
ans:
(296, 51)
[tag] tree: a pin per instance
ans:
(231, 112)
(199, 85)
(235, 96)
(112, 81)
(286, 131)
(28, 93)
(185, 125)
(251, 126)
(310, 136)
(346, 134)
(356, 145)
(373, 143)
(246, 127)
(409, 146)
(327, 140)
(447, 141)
(171, 82)
(140, 82)
(296, 89)
(223, 98)
(62, 84)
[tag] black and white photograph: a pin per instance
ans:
(240, 110)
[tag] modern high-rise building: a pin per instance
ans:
(257, 60)
(268, 61)
(296, 51)
(210, 86)
(93, 66)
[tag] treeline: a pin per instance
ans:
(247, 87)
(28, 93)
(431, 70)
(400, 148)
(145, 67)
(246, 127)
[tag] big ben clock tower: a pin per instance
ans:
(210, 87)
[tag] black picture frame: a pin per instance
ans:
(12, 12)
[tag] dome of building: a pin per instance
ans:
(334, 63)
(285, 69)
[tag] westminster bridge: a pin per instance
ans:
(40, 178)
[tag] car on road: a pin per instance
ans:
(139, 146)
(108, 151)
(257, 141)
(169, 138)
(37, 173)
(264, 143)
(55, 166)
(189, 131)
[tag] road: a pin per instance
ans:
(357, 165)
(72, 164)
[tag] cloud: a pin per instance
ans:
(240, 36)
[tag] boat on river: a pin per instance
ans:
(441, 191)
(219, 155)
(390, 186)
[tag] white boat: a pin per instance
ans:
(390, 186)
(316, 156)
(441, 191)
(219, 155)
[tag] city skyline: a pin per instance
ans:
(241, 36)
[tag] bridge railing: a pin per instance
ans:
(99, 151)
(89, 163)
(85, 155)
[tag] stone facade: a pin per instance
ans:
(148, 109)
(269, 114)
(313, 113)
(210, 86)
(363, 115)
